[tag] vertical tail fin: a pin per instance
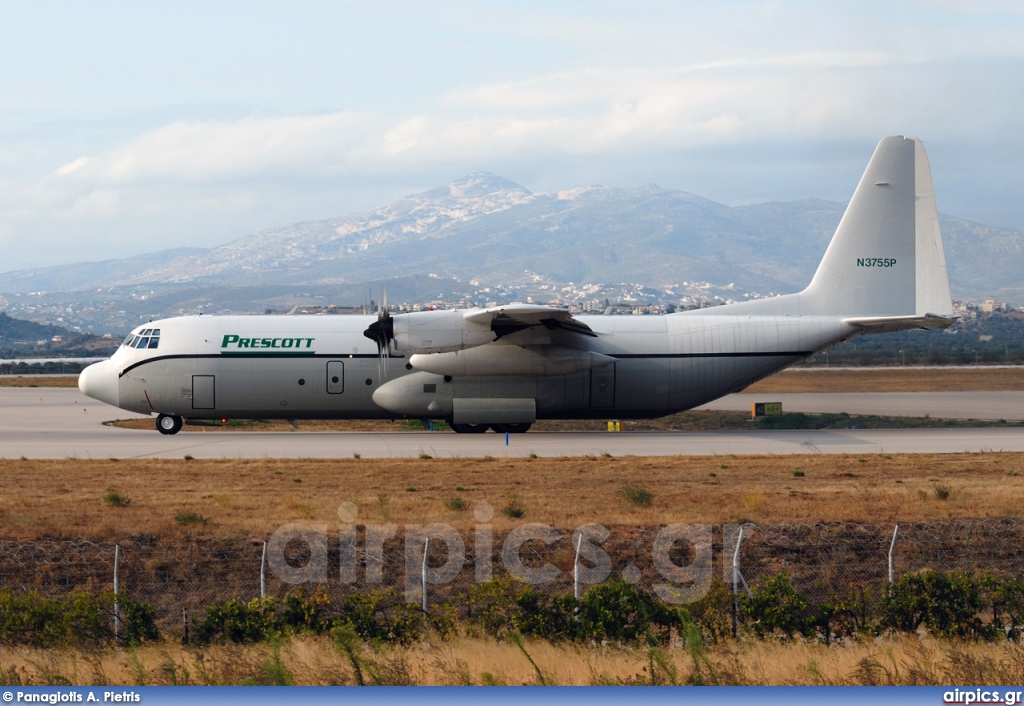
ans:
(886, 257)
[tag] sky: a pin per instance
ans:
(130, 127)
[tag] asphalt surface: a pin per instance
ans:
(63, 423)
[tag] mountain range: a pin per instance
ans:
(483, 232)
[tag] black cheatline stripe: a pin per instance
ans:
(345, 356)
(218, 356)
(771, 354)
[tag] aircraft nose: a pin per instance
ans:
(99, 381)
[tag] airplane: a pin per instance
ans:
(504, 367)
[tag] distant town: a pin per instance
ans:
(988, 332)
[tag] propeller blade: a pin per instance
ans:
(382, 332)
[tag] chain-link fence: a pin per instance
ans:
(824, 561)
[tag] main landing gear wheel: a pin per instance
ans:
(511, 428)
(469, 428)
(168, 424)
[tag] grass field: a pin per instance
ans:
(247, 499)
(39, 381)
(934, 379)
(252, 497)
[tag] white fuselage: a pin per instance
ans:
(302, 367)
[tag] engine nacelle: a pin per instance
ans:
(439, 332)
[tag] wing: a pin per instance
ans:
(516, 317)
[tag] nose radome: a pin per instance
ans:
(99, 381)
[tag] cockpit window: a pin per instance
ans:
(147, 338)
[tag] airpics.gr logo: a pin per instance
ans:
(234, 344)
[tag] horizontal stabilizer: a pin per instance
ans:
(889, 324)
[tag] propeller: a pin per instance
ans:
(382, 332)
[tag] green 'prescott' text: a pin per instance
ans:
(236, 341)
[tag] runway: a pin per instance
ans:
(62, 423)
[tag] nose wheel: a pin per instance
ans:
(168, 424)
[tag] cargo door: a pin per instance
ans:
(203, 396)
(335, 377)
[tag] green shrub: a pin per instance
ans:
(138, 622)
(255, 621)
(513, 510)
(622, 612)
(456, 504)
(117, 499)
(502, 606)
(854, 615)
(300, 614)
(491, 605)
(236, 621)
(712, 614)
(948, 604)
(1006, 597)
(382, 615)
(186, 519)
(636, 495)
(74, 619)
(775, 608)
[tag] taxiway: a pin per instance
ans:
(63, 423)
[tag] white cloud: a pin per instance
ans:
(218, 150)
(98, 204)
(849, 95)
(76, 166)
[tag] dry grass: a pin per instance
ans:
(467, 661)
(39, 381)
(252, 497)
(935, 379)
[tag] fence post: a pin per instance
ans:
(576, 569)
(117, 588)
(263, 572)
(426, 548)
(736, 585)
(737, 577)
(892, 547)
